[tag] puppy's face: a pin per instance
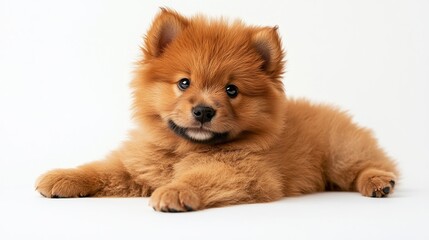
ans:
(209, 82)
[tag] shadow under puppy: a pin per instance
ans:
(215, 128)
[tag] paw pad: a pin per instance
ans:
(380, 192)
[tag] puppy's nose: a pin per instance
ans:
(203, 113)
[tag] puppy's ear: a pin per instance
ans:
(166, 26)
(267, 43)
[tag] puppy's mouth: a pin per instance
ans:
(198, 135)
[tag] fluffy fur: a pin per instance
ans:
(258, 147)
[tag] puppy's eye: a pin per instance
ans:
(232, 91)
(183, 84)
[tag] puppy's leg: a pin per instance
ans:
(357, 163)
(97, 179)
(213, 184)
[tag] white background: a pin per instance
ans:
(64, 100)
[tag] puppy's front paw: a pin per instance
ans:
(376, 183)
(175, 199)
(66, 183)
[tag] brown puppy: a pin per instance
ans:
(215, 128)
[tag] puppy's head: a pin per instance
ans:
(204, 82)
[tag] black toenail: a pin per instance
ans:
(55, 196)
(154, 208)
(386, 190)
(392, 183)
(188, 208)
(172, 210)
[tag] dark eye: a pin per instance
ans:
(232, 91)
(183, 84)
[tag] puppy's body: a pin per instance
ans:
(215, 128)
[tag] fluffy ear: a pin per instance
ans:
(166, 26)
(267, 43)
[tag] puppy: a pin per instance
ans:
(215, 128)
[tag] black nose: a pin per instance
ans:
(203, 113)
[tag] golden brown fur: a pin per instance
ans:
(272, 147)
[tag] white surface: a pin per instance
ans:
(64, 101)
(316, 216)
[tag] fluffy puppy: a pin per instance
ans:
(215, 128)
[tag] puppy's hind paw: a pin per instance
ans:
(376, 183)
